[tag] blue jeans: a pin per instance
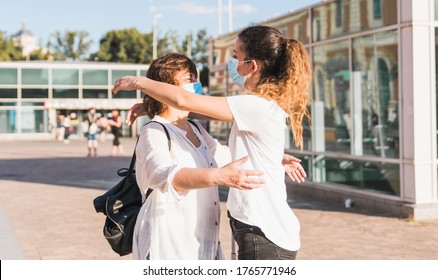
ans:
(253, 244)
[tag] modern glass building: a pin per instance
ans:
(33, 93)
(373, 136)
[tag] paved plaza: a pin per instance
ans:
(46, 211)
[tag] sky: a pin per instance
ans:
(97, 17)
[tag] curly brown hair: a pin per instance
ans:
(164, 69)
(285, 74)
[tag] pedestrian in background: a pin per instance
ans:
(103, 125)
(60, 130)
(116, 123)
(68, 129)
(91, 119)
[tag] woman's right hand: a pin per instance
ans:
(136, 111)
(233, 176)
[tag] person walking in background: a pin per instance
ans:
(275, 74)
(68, 129)
(116, 128)
(60, 130)
(92, 132)
(102, 123)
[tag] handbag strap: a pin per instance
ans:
(195, 124)
(131, 165)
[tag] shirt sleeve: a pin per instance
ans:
(155, 168)
(249, 111)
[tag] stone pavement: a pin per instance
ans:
(46, 211)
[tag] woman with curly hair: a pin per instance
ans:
(275, 73)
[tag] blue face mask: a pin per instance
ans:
(193, 87)
(234, 74)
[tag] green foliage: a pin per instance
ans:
(39, 55)
(9, 52)
(131, 46)
(200, 55)
(127, 46)
(72, 45)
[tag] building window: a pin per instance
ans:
(65, 93)
(364, 175)
(95, 77)
(34, 93)
(34, 120)
(339, 13)
(375, 92)
(95, 93)
(318, 30)
(436, 71)
(436, 9)
(299, 32)
(8, 121)
(117, 74)
(377, 9)
(35, 76)
(125, 94)
(8, 93)
(8, 77)
(65, 77)
(332, 62)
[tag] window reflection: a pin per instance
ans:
(117, 74)
(331, 110)
(436, 71)
(7, 120)
(8, 76)
(95, 77)
(372, 176)
(65, 76)
(33, 121)
(35, 76)
(375, 91)
(343, 17)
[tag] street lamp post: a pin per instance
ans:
(155, 43)
(230, 15)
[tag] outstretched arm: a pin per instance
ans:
(211, 106)
(230, 175)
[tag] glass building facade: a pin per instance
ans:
(366, 129)
(33, 93)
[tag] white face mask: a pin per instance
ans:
(195, 87)
(234, 74)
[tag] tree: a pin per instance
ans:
(72, 45)
(9, 52)
(126, 45)
(200, 55)
(40, 54)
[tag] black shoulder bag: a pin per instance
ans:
(121, 205)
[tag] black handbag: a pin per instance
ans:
(121, 205)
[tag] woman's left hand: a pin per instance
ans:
(293, 168)
(125, 83)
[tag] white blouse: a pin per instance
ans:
(176, 225)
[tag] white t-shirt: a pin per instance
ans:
(259, 132)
